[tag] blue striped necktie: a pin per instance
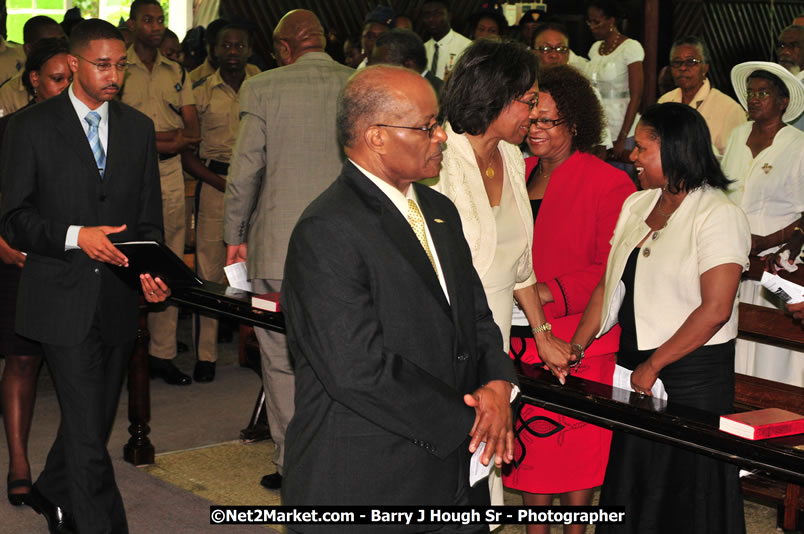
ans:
(93, 119)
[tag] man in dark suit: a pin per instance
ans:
(78, 169)
(406, 49)
(399, 372)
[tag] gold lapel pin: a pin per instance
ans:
(438, 220)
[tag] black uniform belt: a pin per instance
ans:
(163, 157)
(218, 167)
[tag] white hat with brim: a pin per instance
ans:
(739, 80)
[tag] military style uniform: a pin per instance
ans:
(206, 69)
(161, 93)
(13, 95)
(12, 60)
(219, 114)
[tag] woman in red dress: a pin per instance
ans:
(576, 199)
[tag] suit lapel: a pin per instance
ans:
(115, 143)
(68, 123)
(399, 232)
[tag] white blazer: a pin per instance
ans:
(705, 231)
(460, 180)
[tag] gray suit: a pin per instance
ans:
(286, 155)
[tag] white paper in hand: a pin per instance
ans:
(237, 275)
(478, 471)
(786, 290)
(622, 380)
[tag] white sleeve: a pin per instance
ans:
(632, 51)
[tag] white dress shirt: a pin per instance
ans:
(401, 202)
(81, 109)
(450, 48)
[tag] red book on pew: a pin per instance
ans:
(266, 301)
(763, 424)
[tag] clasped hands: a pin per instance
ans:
(94, 241)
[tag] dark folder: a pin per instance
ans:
(156, 259)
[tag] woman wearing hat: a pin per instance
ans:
(765, 158)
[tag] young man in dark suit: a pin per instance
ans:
(399, 371)
(77, 170)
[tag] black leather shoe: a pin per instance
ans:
(272, 481)
(18, 499)
(58, 521)
(204, 371)
(165, 369)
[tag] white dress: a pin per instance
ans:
(609, 74)
(770, 189)
(500, 238)
(501, 254)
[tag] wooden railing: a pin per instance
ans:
(602, 405)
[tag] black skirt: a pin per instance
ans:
(666, 489)
(11, 343)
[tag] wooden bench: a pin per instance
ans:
(773, 327)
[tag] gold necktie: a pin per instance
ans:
(416, 222)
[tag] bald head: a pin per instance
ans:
(387, 124)
(374, 95)
(296, 34)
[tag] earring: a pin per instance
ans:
(35, 91)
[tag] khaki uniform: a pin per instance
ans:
(219, 114)
(205, 69)
(160, 94)
(12, 60)
(13, 95)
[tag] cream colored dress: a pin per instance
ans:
(501, 241)
(500, 238)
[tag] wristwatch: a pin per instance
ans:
(546, 327)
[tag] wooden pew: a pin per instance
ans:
(773, 327)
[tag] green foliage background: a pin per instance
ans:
(89, 9)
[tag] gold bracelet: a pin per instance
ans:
(546, 327)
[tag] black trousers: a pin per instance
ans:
(78, 474)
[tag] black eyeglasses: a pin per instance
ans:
(546, 124)
(689, 63)
(530, 103)
(429, 129)
(546, 49)
(105, 66)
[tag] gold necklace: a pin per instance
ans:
(605, 49)
(489, 172)
(663, 214)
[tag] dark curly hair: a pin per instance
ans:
(488, 76)
(577, 105)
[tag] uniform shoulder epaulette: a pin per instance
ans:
(201, 81)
